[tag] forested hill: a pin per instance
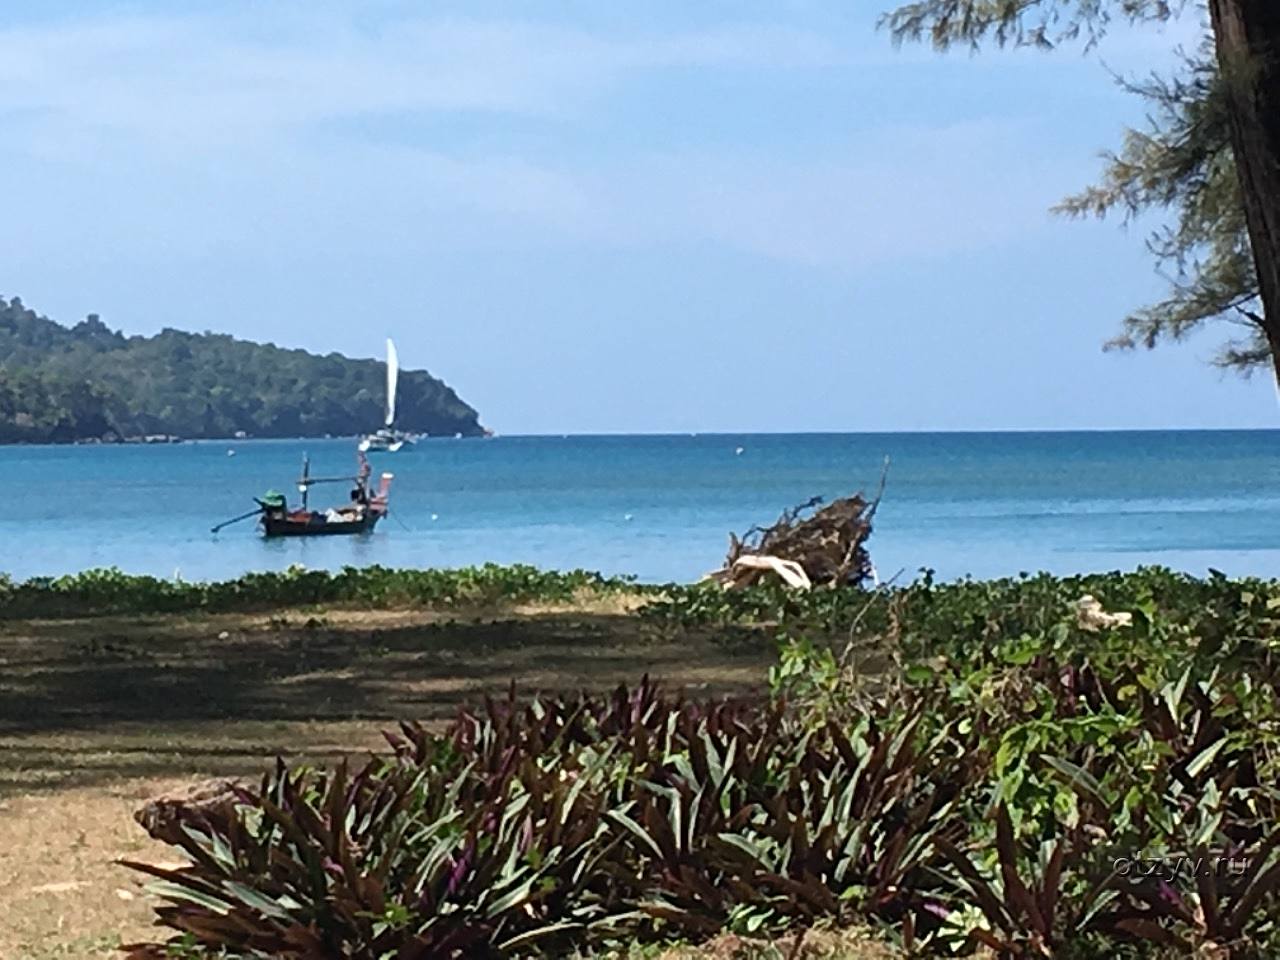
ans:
(60, 384)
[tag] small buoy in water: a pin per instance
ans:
(223, 635)
(231, 453)
(739, 451)
(435, 516)
(626, 516)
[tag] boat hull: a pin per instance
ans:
(377, 444)
(316, 525)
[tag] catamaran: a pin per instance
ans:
(388, 438)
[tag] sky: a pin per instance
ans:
(603, 218)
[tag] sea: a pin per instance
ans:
(661, 507)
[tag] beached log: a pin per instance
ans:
(750, 567)
(811, 544)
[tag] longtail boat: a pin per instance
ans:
(359, 515)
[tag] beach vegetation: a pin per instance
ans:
(1037, 766)
(109, 590)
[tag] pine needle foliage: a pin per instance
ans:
(1178, 167)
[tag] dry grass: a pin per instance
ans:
(60, 892)
(98, 714)
(809, 945)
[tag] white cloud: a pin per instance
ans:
(202, 78)
(880, 202)
(186, 136)
(905, 193)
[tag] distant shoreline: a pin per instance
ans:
(88, 382)
(675, 434)
(175, 441)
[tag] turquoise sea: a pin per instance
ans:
(661, 507)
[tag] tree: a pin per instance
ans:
(1212, 155)
(1184, 162)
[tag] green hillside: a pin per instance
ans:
(60, 384)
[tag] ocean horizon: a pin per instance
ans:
(639, 434)
(661, 506)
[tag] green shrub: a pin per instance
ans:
(1156, 743)
(562, 823)
(111, 591)
(980, 792)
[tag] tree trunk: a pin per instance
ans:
(1247, 39)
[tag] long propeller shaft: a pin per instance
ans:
(243, 516)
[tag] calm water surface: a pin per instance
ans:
(660, 507)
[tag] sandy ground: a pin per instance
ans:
(97, 715)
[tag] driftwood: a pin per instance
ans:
(1091, 616)
(743, 568)
(811, 544)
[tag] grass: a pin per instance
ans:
(813, 945)
(96, 715)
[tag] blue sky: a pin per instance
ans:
(602, 217)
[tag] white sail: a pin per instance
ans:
(393, 371)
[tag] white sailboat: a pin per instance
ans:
(388, 438)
